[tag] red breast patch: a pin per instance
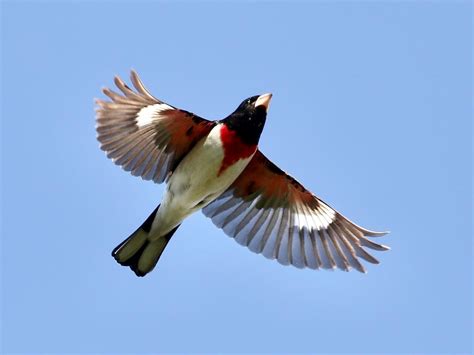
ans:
(234, 148)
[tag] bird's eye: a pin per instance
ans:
(248, 101)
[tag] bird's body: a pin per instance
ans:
(198, 180)
(216, 166)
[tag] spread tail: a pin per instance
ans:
(138, 252)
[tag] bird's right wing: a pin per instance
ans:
(143, 134)
(271, 213)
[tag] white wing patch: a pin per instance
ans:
(319, 219)
(150, 113)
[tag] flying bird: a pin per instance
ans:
(216, 167)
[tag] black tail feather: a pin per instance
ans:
(140, 248)
(134, 260)
(146, 226)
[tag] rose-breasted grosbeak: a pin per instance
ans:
(216, 166)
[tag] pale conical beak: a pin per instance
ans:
(264, 100)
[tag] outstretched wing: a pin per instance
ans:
(144, 135)
(271, 213)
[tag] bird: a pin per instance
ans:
(216, 166)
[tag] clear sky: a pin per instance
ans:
(371, 111)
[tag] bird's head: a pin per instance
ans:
(249, 118)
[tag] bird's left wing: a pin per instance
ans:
(143, 134)
(271, 213)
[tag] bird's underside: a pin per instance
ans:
(261, 206)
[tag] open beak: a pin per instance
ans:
(264, 100)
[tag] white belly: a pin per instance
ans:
(196, 182)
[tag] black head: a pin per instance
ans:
(249, 118)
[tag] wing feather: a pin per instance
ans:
(273, 214)
(143, 134)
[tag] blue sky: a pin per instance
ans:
(372, 111)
